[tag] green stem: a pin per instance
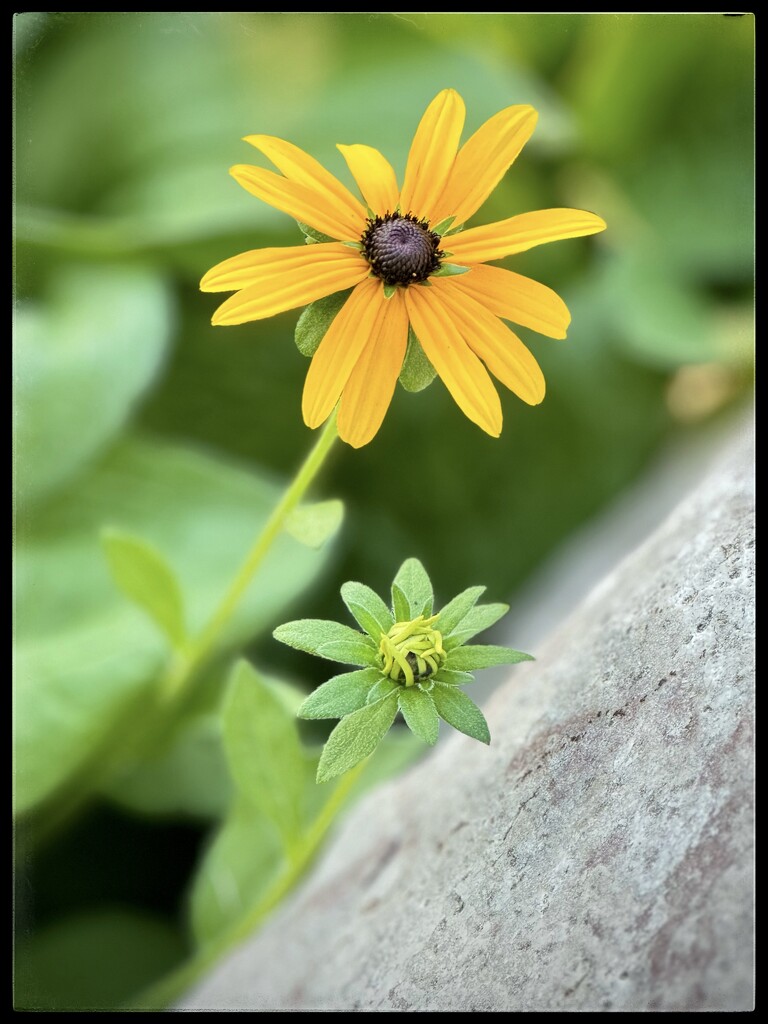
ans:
(168, 989)
(130, 743)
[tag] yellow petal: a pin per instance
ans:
(432, 154)
(516, 298)
(502, 351)
(287, 284)
(302, 168)
(254, 266)
(461, 371)
(299, 201)
(374, 176)
(340, 349)
(505, 237)
(371, 384)
(483, 161)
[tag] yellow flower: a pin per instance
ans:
(405, 265)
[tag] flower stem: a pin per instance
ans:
(164, 992)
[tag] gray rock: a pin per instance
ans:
(597, 857)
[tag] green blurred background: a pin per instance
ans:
(132, 411)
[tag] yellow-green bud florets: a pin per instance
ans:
(411, 651)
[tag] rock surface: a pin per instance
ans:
(597, 857)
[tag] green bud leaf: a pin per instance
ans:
(312, 235)
(467, 659)
(315, 523)
(144, 576)
(419, 713)
(417, 372)
(330, 640)
(400, 604)
(455, 708)
(452, 678)
(355, 737)
(315, 321)
(416, 587)
(481, 617)
(368, 609)
(455, 610)
(450, 270)
(341, 695)
(380, 689)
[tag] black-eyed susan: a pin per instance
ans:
(410, 659)
(409, 261)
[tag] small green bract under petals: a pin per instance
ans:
(408, 659)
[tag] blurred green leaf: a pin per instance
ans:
(264, 753)
(86, 657)
(144, 576)
(94, 960)
(237, 867)
(315, 523)
(315, 320)
(417, 372)
(83, 358)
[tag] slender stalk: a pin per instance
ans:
(168, 989)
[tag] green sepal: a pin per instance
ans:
(454, 230)
(381, 688)
(368, 609)
(481, 617)
(455, 708)
(456, 610)
(355, 737)
(417, 372)
(146, 578)
(451, 677)
(468, 659)
(419, 713)
(443, 227)
(354, 245)
(341, 695)
(415, 585)
(389, 290)
(330, 640)
(450, 270)
(315, 321)
(312, 235)
(315, 523)
(400, 604)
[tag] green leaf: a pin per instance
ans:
(312, 235)
(316, 319)
(452, 678)
(328, 639)
(316, 523)
(85, 657)
(417, 372)
(355, 737)
(455, 708)
(381, 688)
(419, 713)
(368, 609)
(400, 604)
(94, 960)
(468, 659)
(145, 577)
(341, 695)
(78, 380)
(450, 270)
(263, 749)
(236, 869)
(457, 609)
(481, 617)
(416, 586)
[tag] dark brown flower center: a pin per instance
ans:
(401, 249)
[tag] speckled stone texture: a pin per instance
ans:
(598, 856)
